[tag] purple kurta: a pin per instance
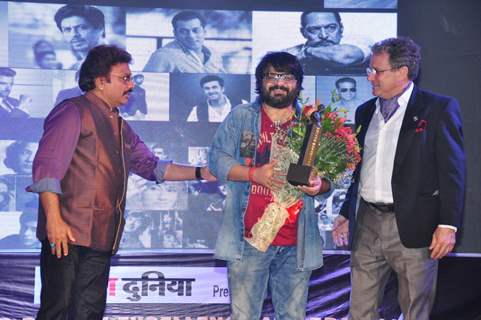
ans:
(85, 155)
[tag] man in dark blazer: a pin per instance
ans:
(406, 200)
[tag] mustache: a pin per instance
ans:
(323, 42)
(277, 87)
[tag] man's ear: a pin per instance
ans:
(404, 70)
(100, 82)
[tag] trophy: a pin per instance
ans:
(298, 174)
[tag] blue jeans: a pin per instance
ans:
(250, 276)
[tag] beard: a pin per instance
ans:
(278, 101)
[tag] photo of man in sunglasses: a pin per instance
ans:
(346, 89)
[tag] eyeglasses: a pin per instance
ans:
(330, 28)
(273, 76)
(348, 89)
(125, 79)
(374, 72)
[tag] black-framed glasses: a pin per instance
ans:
(274, 76)
(374, 71)
(125, 79)
(343, 90)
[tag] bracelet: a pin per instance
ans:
(198, 173)
(251, 173)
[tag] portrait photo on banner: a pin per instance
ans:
(25, 93)
(360, 4)
(349, 91)
(328, 209)
(147, 195)
(16, 157)
(204, 97)
(58, 36)
(18, 231)
(152, 229)
(7, 193)
(4, 33)
(137, 230)
(314, 36)
(206, 204)
(159, 40)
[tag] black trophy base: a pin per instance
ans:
(298, 175)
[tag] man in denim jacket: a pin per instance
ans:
(240, 156)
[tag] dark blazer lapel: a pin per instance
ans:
(410, 121)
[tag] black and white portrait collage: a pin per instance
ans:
(179, 98)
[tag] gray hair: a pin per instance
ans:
(402, 51)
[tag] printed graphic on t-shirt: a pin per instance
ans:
(247, 145)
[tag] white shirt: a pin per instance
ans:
(216, 114)
(380, 147)
(379, 151)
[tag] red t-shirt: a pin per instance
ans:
(260, 196)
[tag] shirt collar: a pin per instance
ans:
(225, 105)
(403, 99)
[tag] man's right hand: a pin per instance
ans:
(59, 234)
(340, 231)
(267, 176)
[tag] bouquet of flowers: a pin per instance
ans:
(286, 201)
(337, 156)
(338, 152)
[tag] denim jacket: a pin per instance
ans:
(234, 142)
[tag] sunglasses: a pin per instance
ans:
(347, 89)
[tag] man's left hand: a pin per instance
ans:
(314, 187)
(443, 242)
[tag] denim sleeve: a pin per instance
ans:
(222, 156)
(56, 148)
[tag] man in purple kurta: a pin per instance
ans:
(80, 171)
